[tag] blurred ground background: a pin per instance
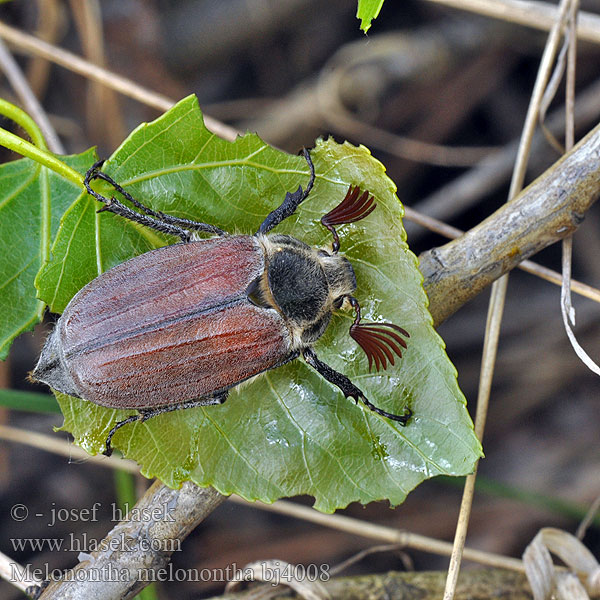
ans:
(293, 70)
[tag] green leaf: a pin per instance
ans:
(367, 11)
(28, 401)
(288, 432)
(32, 200)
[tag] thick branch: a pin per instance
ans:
(135, 551)
(551, 208)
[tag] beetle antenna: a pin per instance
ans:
(379, 341)
(154, 219)
(354, 207)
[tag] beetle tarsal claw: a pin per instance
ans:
(402, 419)
(106, 206)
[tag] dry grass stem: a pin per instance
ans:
(566, 305)
(103, 113)
(587, 520)
(49, 25)
(483, 179)
(385, 534)
(28, 99)
(342, 566)
(539, 15)
(498, 295)
(406, 539)
(32, 45)
(476, 584)
(61, 447)
(333, 112)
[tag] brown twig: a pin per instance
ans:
(531, 13)
(137, 550)
(551, 208)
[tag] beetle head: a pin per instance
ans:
(303, 283)
(307, 284)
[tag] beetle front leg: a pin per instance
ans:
(291, 201)
(145, 414)
(348, 388)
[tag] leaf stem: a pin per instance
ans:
(20, 117)
(38, 150)
(14, 142)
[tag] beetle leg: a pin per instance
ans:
(145, 414)
(348, 388)
(291, 201)
(289, 358)
(107, 444)
(154, 219)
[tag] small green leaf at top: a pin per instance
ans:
(367, 11)
(288, 432)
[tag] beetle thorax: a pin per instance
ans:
(304, 284)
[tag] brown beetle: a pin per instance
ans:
(235, 306)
